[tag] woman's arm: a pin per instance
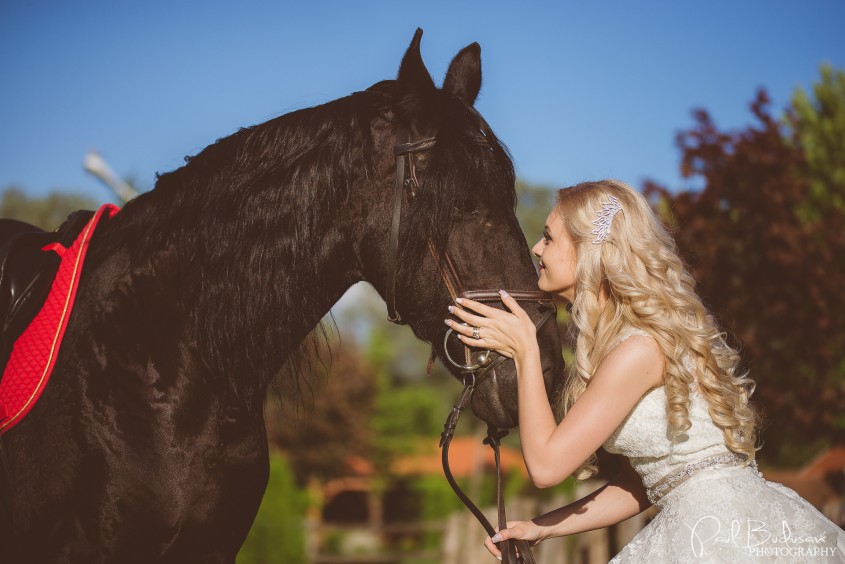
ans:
(554, 451)
(621, 498)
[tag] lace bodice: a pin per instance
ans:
(643, 437)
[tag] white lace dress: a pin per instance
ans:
(710, 508)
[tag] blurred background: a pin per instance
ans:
(729, 116)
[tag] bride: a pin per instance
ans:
(653, 380)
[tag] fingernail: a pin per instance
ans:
(451, 309)
(496, 538)
(458, 300)
(499, 557)
(503, 293)
(448, 321)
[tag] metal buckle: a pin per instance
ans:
(483, 358)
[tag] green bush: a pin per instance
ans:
(277, 535)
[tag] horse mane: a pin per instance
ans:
(296, 170)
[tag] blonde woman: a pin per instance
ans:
(653, 380)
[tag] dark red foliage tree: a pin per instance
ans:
(327, 422)
(774, 280)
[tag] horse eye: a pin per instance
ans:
(467, 207)
(467, 211)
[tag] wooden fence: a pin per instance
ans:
(461, 539)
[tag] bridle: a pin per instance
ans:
(477, 365)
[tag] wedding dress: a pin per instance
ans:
(712, 509)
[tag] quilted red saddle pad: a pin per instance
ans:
(34, 352)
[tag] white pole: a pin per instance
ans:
(96, 165)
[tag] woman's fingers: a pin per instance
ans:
(485, 310)
(492, 548)
(496, 328)
(478, 307)
(511, 303)
(464, 315)
(490, 543)
(465, 330)
(500, 536)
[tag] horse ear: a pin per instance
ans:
(415, 87)
(463, 79)
(413, 76)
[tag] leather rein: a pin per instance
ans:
(477, 364)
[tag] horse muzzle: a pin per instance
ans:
(494, 377)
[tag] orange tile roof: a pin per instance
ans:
(465, 454)
(815, 490)
(810, 481)
(829, 461)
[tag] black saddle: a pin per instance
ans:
(27, 272)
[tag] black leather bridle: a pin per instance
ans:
(479, 364)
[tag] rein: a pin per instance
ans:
(513, 550)
(477, 365)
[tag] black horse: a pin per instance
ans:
(149, 443)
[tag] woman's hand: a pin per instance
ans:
(517, 530)
(510, 334)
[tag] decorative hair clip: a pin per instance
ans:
(605, 218)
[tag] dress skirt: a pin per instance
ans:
(734, 515)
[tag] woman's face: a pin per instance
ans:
(556, 252)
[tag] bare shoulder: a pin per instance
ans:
(637, 361)
(638, 346)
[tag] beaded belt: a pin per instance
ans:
(677, 477)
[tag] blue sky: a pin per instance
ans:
(576, 90)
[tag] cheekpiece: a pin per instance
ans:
(604, 218)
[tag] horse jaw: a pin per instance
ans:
(495, 399)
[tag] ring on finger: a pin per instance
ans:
(476, 333)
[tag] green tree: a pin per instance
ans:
(277, 535)
(328, 420)
(535, 203)
(405, 408)
(818, 122)
(46, 212)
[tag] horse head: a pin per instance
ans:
(451, 224)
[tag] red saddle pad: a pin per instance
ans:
(34, 352)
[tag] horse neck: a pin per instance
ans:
(247, 283)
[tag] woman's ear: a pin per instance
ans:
(463, 79)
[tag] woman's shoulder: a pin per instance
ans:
(628, 333)
(636, 348)
(633, 341)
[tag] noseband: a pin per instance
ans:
(477, 364)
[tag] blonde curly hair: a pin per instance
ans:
(649, 288)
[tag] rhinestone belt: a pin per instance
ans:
(677, 477)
